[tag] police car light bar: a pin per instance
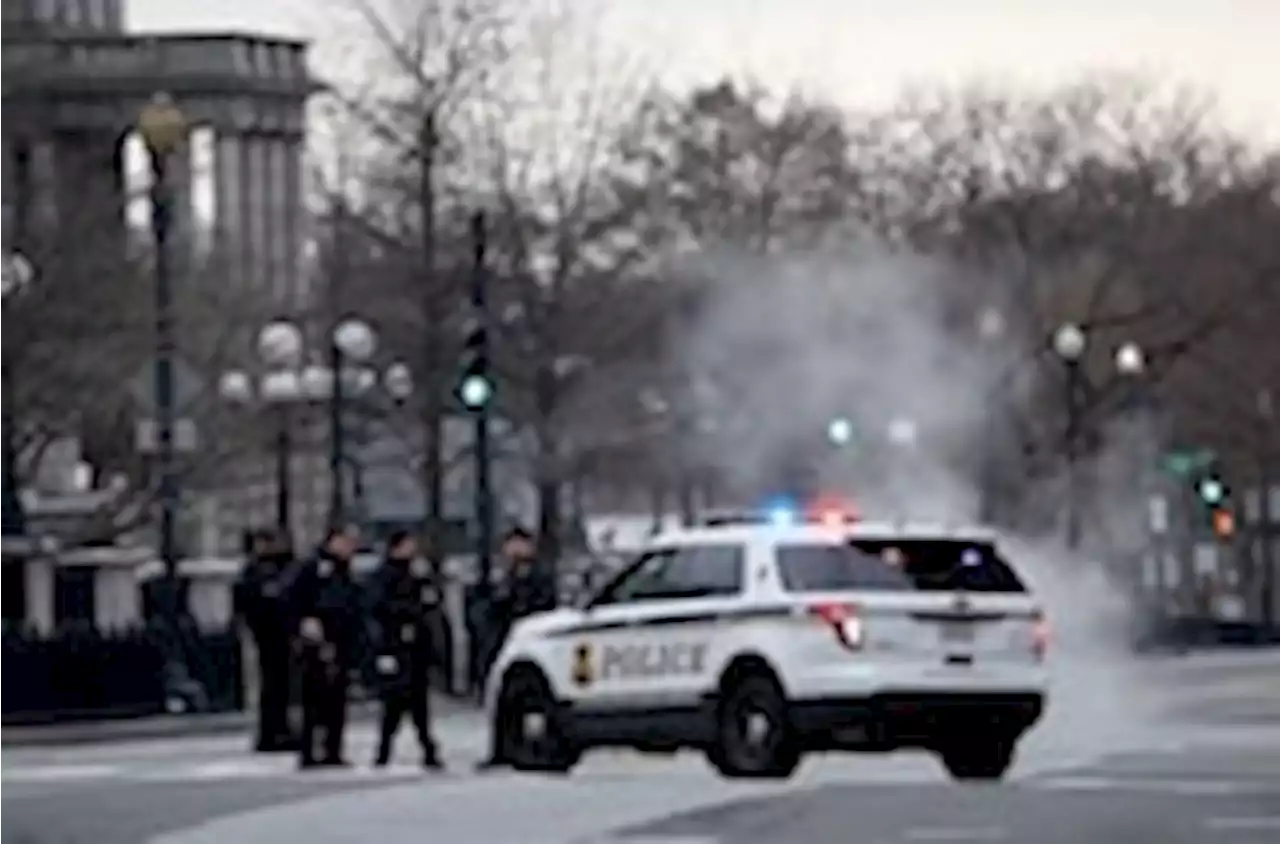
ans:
(781, 515)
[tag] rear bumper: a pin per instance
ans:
(912, 719)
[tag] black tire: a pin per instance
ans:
(978, 759)
(526, 693)
(734, 752)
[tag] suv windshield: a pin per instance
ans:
(926, 565)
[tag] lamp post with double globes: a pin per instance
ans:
(285, 383)
(1070, 343)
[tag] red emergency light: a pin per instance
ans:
(832, 510)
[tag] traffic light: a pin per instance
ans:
(840, 431)
(475, 383)
(1212, 490)
(1215, 495)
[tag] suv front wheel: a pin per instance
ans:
(752, 735)
(529, 726)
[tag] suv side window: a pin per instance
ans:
(702, 571)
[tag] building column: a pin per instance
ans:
(39, 579)
(293, 218)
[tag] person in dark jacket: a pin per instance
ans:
(327, 602)
(405, 623)
(525, 588)
(261, 604)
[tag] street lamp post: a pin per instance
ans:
(1069, 342)
(352, 341)
(18, 275)
(1131, 365)
(1266, 544)
(164, 130)
(991, 329)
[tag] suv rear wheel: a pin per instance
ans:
(752, 736)
(986, 758)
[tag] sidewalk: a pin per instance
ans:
(179, 726)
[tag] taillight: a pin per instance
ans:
(1039, 635)
(844, 622)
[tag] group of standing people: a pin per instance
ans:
(312, 622)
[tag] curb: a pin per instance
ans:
(183, 726)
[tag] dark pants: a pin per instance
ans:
(410, 698)
(498, 738)
(274, 682)
(324, 709)
(490, 640)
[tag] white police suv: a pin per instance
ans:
(758, 643)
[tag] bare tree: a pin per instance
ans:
(429, 61)
(750, 171)
(576, 232)
(1086, 205)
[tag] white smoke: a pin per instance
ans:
(783, 345)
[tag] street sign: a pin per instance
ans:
(147, 436)
(1184, 463)
(187, 386)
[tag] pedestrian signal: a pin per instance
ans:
(1224, 524)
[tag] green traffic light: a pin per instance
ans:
(1212, 491)
(840, 431)
(475, 391)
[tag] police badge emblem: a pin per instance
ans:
(325, 568)
(429, 595)
(419, 567)
(583, 672)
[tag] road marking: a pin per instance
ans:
(956, 833)
(1189, 788)
(210, 771)
(59, 773)
(1243, 824)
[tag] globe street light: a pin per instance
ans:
(1069, 342)
(1130, 360)
(903, 432)
(991, 324)
(840, 431)
(16, 278)
(286, 382)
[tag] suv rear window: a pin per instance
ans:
(925, 565)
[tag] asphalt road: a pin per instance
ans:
(1167, 751)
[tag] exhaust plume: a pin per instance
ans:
(783, 345)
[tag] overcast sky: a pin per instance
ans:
(863, 51)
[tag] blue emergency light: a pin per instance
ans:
(782, 515)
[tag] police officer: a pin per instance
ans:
(524, 589)
(261, 604)
(327, 601)
(405, 627)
